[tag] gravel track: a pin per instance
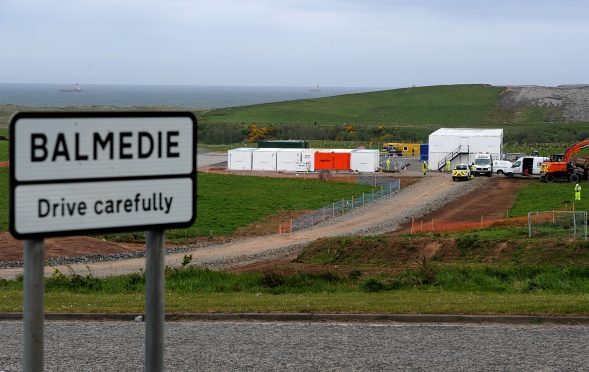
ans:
(301, 346)
(384, 215)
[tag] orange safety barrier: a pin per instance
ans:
(429, 225)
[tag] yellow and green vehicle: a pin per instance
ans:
(461, 172)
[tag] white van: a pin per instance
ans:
(502, 167)
(483, 164)
(528, 166)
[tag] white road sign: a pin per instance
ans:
(101, 172)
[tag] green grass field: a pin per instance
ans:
(540, 196)
(456, 104)
(228, 202)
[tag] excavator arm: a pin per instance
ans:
(561, 167)
(568, 154)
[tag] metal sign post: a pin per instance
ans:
(154, 300)
(100, 172)
(33, 306)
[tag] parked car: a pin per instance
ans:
(461, 172)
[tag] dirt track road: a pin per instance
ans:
(413, 201)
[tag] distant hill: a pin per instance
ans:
(446, 105)
(528, 114)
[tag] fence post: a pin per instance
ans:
(343, 206)
(333, 212)
(529, 224)
(574, 224)
(352, 201)
(362, 198)
(585, 226)
(291, 225)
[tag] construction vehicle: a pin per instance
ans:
(562, 167)
(582, 162)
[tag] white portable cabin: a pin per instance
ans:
(264, 159)
(294, 160)
(462, 144)
(365, 160)
(240, 158)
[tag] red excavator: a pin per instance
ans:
(562, 167)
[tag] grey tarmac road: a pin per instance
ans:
(298, 346)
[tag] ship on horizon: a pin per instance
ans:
(76, 89)
(316, 89)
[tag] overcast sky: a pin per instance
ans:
(345, 43)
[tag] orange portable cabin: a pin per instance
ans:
(332, 160)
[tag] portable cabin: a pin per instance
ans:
(264, 159)
(364, 160)
(240, 158)
(294, 160)
(332, 159)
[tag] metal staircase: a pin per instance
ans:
(462, 149)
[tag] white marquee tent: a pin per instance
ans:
(460, 145)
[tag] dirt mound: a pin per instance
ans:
(568, 103)
(389, 254)
(12, 249)
(481, 207)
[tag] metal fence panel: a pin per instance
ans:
(344, 206)
(558, 224)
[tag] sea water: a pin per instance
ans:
(194, 97)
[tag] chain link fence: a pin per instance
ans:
(566, 224)
(345, 205)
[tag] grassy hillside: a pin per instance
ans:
(408, 114)
(452, 104)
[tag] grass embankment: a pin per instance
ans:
(383, 274)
